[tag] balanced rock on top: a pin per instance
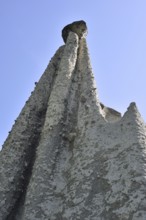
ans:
(78, 27)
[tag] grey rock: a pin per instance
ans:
(110, 114)
(68, 156)
(78, 27)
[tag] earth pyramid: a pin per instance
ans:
(68, 156)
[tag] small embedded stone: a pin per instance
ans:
(72, 136)
(83, 99)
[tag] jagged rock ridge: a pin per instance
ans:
(68, 156)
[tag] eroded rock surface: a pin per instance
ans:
(68, 156)
(110, 114)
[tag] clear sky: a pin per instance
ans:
(31, 33)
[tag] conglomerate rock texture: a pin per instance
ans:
(68, 157)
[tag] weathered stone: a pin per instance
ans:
(70, 157)
(110, 114)
(78, 27)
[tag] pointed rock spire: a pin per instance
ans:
(69, 156)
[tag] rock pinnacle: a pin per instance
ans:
(68, 156)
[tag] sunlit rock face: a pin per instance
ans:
(68, 156)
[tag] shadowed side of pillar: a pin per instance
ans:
(18, 153)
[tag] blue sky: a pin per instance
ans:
(31, 33)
